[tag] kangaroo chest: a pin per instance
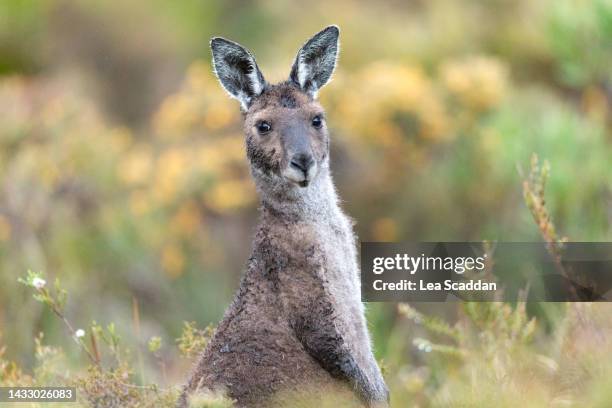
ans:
(336, 242)
(339, 270)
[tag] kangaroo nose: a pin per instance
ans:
(302, 162)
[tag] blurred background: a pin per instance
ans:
(123, 172)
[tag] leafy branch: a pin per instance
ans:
(56, 301)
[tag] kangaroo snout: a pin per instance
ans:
(302, 162)
(302, 168)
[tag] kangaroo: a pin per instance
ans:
(296, 325)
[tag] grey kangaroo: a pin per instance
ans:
(296, 329)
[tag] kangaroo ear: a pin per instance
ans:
(316, 60)
(237, 71)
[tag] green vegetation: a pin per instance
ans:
(123, 180)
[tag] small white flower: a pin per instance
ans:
(39, 283)
(79, 333)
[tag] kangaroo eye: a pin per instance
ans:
(263, 127)
(317, 122)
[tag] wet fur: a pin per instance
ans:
(296, 328)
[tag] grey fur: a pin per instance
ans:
(237, 70)
(296, 330)
(316, 60)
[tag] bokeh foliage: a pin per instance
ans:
(122, 167)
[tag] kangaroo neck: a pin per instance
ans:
(316, 203)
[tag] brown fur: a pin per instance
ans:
(255, 352)
(296, 328)
(283, 105)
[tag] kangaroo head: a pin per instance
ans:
(286, 135)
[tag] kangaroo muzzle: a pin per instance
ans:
(301, 165)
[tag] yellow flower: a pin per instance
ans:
(172, 166)
(209, 159)
(233, 147)
(186, 220)
(173, 261)
(136, 167)
(220, 115)
(176, 115)
(477, 82)
(200, 77)
(221, 156)
(200, 103)
(387, 103)
(120, 139)
(384, 229)
(230, 195)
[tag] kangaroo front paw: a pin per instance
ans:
(381, 396)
